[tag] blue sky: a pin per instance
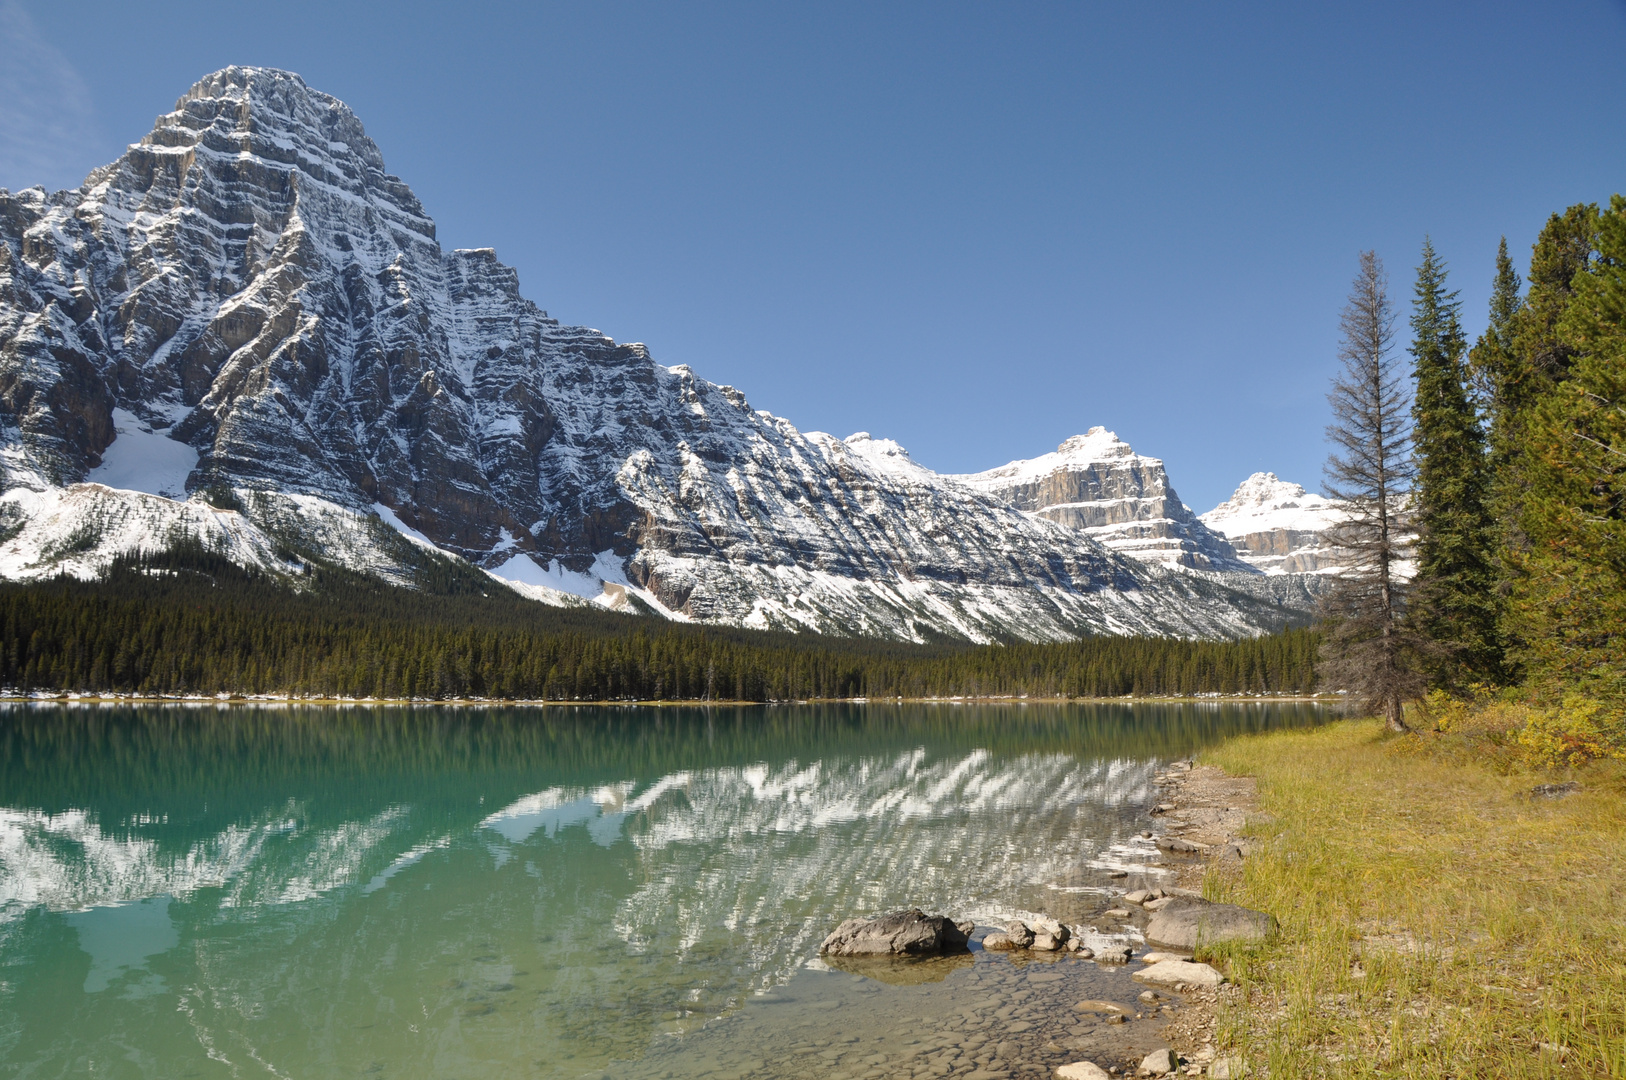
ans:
(976, 229)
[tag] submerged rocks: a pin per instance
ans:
(900, 933)
(1188, 922)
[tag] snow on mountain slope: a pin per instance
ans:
(1097, 484)
(250, 284)
(1277, 526)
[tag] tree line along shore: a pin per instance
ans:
(188, 621)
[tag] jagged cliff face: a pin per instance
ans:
(1097, 484)
(1276, 526)
(249, 299)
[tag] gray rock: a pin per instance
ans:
(1081, 1070)
(998, 941)
(1159, 904)
(1159, 1063)
(1139, 896)
(1114, 954)
(1188, 922)
(900, 933)
(1020, 933)
(1179, 973)
(1175, 844)
(1226, 1068)
(1046, 943)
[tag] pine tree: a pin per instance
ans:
(1539, 357)
(1368, 650)
(1454, 607)
(1491, 360)
(1568, 607)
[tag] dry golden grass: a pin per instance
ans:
(1436, 920)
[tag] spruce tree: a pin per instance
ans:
(1568, 607)
(1491, 360)
(1539, 358)
(1454, 607)
(1368, 649)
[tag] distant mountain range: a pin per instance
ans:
(244, 330)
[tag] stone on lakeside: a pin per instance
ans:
(1159, 1063)
(1226, 1068)
(1139, 896)
(1046, 943)
(1116, 913)
(1189, 921)
(998, 941)
(899, 933)
(1176, 972)
(1081, 1070)
(1177, 845)
(1114, 954)
(1095, 1005)
(1159, 904)
(1020, 933)
(1159, 956)
(1079, 949)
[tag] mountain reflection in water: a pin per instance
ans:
(424, 891)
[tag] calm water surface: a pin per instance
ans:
(424, 892)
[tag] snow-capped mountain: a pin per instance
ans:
(248, 308)
(1277, 526)
(1097, 484)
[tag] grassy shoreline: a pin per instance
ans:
(1437, 920)
(93, 698)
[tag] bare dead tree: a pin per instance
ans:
(1366, 648)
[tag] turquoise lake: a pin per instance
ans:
(561, 892)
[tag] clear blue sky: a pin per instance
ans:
(976, 229)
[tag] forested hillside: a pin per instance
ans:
(188, 621)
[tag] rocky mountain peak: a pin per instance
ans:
(1276, 526)
(1096, 444)
(246, 300)
(1264, 489)
(1096, 483)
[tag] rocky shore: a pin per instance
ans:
(1158, 1021)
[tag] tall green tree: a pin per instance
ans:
(1368, 649)
(1540, 355)
(1454, 607)
(1491, 361)
(1568, 606)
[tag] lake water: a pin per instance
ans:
(560, 892)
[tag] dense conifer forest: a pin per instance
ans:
(189, 622)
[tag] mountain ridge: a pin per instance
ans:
(250, 282)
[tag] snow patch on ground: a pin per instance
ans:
(141, 459)
(403, 528)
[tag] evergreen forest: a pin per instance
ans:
(188, 621)
(1518, 446)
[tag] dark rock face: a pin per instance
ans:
(249, 280)
(901, 933)
(1189, 922)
